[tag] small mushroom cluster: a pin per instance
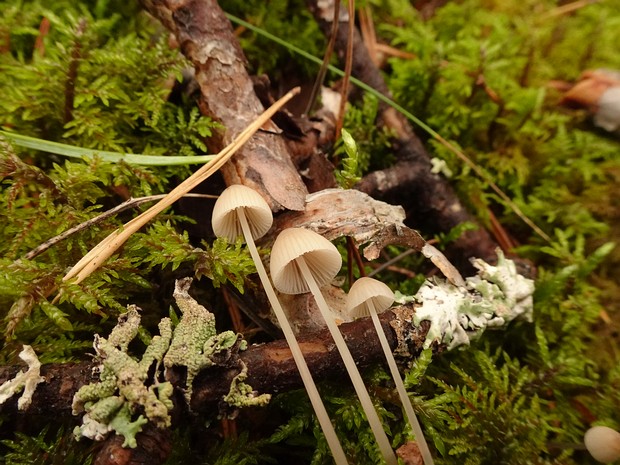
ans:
(303, 261)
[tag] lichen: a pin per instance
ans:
(492, 298)
(130, 392)
(26, 380)
(195, 338)
(242, 394)
(122, 391)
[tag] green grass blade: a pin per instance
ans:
(114, 157)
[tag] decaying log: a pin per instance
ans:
(206, 38)
(429, 200)
(271, 367)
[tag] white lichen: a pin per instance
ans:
(26, 380)
(492, 298)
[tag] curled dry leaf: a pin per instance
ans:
(335, 213)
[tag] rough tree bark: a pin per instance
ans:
(206, 38)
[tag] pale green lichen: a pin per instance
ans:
(242, 395)
(492, 298)
(130, 393)
(195, 342)
(122, 390)
(26, 380)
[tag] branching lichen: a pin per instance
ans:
(125, 387)
(242, 395)
(26, 380)
(130, 394)
(195, 342)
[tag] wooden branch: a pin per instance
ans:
(206, 38)
(429, 200)
(271, 367)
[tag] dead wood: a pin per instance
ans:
(154, 447)
(206, 38)
(429, 200)
(271, 367)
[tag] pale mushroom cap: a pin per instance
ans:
(321, 256)
(603, 443)
(225, 221)
(365, 289)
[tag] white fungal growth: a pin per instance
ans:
(492, 298)
(26, 380)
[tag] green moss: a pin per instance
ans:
(480, 78)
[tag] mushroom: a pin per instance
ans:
(240, 210)
(301, 261)
(603, 443)
(368, 296)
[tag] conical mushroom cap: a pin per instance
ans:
(603, 443)
(321, 256)
(365, 289)
(225, 220)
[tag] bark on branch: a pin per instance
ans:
(271, 367)
(206, 38)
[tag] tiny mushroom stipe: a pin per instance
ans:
(301, 261)
(242, 211)
(368, 296)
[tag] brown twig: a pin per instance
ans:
(567, 8)
(44, 29)
(327, 56)
(348, 66)
(432, 203)
(206, 38)
(130, 203)
(76, 54)
(271, 367)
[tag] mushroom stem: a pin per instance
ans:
(313, 393)
(362, 393)
(400, 386)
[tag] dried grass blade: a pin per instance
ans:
(101, 252)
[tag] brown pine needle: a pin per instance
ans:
(102, 251)
(568, 8)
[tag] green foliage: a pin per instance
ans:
(446, 238)
(493, 411)
(239, 451)
(162, 246)
(96, 80)
(480, 80)
(373, 142)
(101, 78)
(351, 169)
(46, 448)
(289, 19)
